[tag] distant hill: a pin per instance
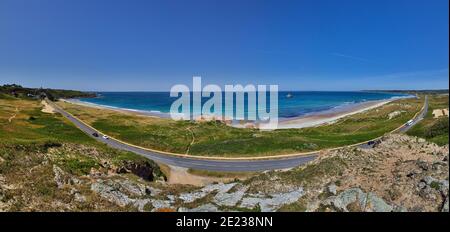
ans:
(431, 91)
(52, 94)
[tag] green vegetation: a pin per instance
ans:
(5, 96)
(299, 206)
(78, 166)
(33, 143)
(415, 92)
(221, 174)
(433, 129)
(24, 126)
(333, 166)
(218, 139)
(257, 208)
(17, 91)
(440, 127)
(435, 185)
(21, 121)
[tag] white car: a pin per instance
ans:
(105, 137)
(409, 123)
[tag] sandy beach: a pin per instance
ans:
(312, 120)
(330, 116)
(121, 110)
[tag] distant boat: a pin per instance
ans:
(289, 95)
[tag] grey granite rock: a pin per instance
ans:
(230, 199)
(272, 202)
(376, 204)
(332, 188)
(202, 208)
(220, 188)
(111, 193)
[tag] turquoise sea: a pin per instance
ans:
(290, 104)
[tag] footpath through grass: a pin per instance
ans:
(217, 139)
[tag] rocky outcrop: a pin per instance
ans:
(272, 202)
(399, 174)
(202, 208)
(355, 199)
(142, 169)
(192, 196)
(61, 178)
(124, 193)
(111, 192)
(230, 198)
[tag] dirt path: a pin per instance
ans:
(192, 142)
(181, 176)
(13, 116)
(47, 108)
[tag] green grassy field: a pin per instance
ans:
(217, 139)
(432, 129)
(23, 124)
(21, 121)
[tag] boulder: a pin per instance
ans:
(428, 180)
(332, 188)
(376, 204)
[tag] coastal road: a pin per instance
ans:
(186, 162)
(403, 129)
(208, 164)
(419, 117)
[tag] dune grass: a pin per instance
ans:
(21, 121)
(423, 128)
(217, 139)
(23, 124)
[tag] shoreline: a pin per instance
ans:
(121, 110)
(310, 120)
(330, 116)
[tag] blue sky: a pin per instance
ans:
(151, 45)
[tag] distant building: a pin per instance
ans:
(440, 112)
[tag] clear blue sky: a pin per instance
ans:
(151, 45)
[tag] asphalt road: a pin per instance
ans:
(212, 165)
(419, 117)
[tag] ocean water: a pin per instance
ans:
(290, 104)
